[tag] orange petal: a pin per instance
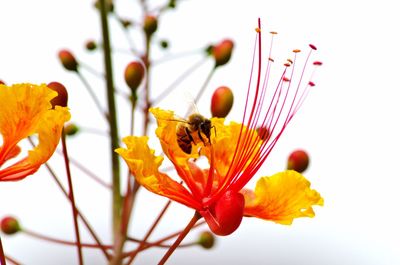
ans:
(144, 165)
(281, 198)
(26, 110)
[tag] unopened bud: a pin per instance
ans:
(150, 25)
(126, 23)
(91, 45)
(71, 129)
(109, 5)
(9, 225)
(298, 160)
(68, 60)
(221, 102)
(134, 73)
(263, 132)
(222, 52)
(164, 44)
(62, 98)
(206, 240)
(2, 82)
(172, 4)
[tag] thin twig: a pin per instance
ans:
(72, 199)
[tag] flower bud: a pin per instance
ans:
(222, 52)
(126, 23)
(298, 160)
(109, 5)
(71, 129)
(9, 225)
(164, 44)
(172, 4)
(62, 98)
(68, 60)
(2, 82)
(134, 73)
(91, 45)
(150, 25)
(206, 240)
(221, 102)
(263, 133)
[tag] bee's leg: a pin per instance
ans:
(199, 133)
(189, 135)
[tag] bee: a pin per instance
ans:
(191, 131)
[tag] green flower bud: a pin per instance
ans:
(71, 129)
(206, 240)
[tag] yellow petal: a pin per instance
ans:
(26, 110)
(144, 165)
(281, 198)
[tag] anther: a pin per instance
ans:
(296, 50)
(311, 83)
(312, 46)
(318, 63)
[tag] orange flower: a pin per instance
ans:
(26, 110)
(235, 154)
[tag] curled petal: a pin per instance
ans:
(144, 165)
(26, 110)
(281, 198)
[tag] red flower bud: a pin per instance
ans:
(221, 102)
(298, 160)
(222, 52)
(134, 73)
(150, 25)
(68, 60)
(91, 45)
(206, 240)
(263, 133)
(9, 225)
(2, 82)
(71, 129)
(62, 98)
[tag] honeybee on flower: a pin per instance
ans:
(235, 154)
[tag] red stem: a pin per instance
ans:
(144, 241)
(2, 256)
(72, 199)
(63, 242)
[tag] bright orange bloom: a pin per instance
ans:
(235, 154)
(26, 110)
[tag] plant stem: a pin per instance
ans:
(83, 218)
(187, 229)
(2, 256)
(149, 232)
(60, 241)
(72, 199)
(116, 193)
(147, 103)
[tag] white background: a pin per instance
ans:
(348, 125)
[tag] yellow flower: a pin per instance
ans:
(25, 111)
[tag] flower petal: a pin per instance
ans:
(281, 198)
(26, 110)
(144, 166)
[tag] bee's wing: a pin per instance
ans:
(191, 106)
